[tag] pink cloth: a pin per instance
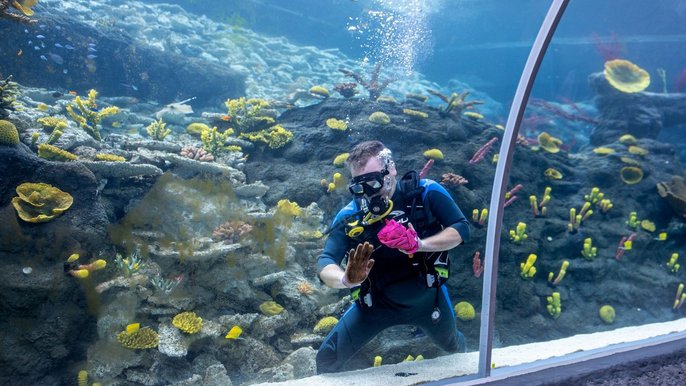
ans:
(394, 235)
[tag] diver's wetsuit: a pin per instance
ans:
(399, 293)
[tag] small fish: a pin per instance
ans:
(131, 86)
(26, 30)
(43, 57)
(42, 107)
(133, 327)
(73, 93)
(36, 48)
(68, 46)
(30, 42)
(56, 58)
(73, 258)
(91, 56)
(58, 45)
(91, 44)
(65, 71)
(225, 118)
(91, 49)
(234, 333)
(20, 52)
(132, 131)
(40, 37)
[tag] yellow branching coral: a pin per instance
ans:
(549, 143)
(336, 124)
(672, 263)
(248, 114)
(325, 325)
(631, 175)
(138, 338)
(527, 269)
(589, 252)
(89, 116)
(288, 208)
(109, 157)
(554, 305)
(157, 130)
(213, 141)
(9, 136)
(560, 275)
(275, 137)
(40, 202)
(626, 76)
(271, 308)
(54, 153)
(434, 154)
(340, 159)
(519, 234)
(53, 122)
(188, 322)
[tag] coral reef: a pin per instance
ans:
(89, 115)
(8, 94)
(40, 202)
(188, 322)
(231, 232)
(275, 137)
(9, 136)
(248, 115)
(198, 154)
(379, 118)
(157, 130)
(138, 338)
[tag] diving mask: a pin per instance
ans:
(367, 184)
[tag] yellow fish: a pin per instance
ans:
(133, 327)
(73, 258)
(234, 332)
(116, 124)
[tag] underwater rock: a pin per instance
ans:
(215, 375)
(104, 169)
(254, 190)
(159, 76)
(172, 342)
(303, 361)
(642, 114)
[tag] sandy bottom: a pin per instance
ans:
(411, 373)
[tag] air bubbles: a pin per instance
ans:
(27, 270)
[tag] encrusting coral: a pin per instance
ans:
(54, 153)
(188, 322)
(464, 311)
(626, 76)
(271, 308)
(138, 338)
(40, 202)
(90, 116)
(379, 118)
(325, 325)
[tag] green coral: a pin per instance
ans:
(275, 137)
(54, 153)
(607, 314)
(554, 305)
(213, 141)
(9, 136)
(188, 322)
(271, 308)
(248, 114)
(8, 96)
(157, 130)
(89, 117)
(464, 311)
(139, 339)
(325, 325)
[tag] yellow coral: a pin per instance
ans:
(109, 157)
(626, 76)
(379, 118)
(271, 308)
(637, 150)
(40, 202)
(415, 113)
(336, 124)
(553, 174)
(631, 175)
(90, 116)
(464, 311)
(157, 130)
(473, 115)
(188, 322)
(320, 91)
(549, 143)
(434, 154)
(325, 325)
(648, 225)
(53, 122)
(82, 378)
(603, 150)
(54, 153)
(275, 137)
(9, 136)
(25, 6)
(607, 314)
(340, 159)
(140, 339)
(629, 160)
(197, 128)
(628, 139)
(289, 208)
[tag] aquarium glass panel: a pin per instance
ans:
(594, 242)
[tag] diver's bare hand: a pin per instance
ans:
(359, 265)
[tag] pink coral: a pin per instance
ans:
(231, 231)
(197, 154)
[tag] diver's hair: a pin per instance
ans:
(363, 151)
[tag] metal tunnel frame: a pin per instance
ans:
(502, 176)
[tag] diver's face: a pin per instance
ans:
(375, 166)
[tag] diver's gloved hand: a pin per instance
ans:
(359, 265)
(394, 235)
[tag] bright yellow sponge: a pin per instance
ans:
(188, 322)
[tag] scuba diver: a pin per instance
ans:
(395, 236)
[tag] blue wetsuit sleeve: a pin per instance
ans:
(336, 244)
(446, 210)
